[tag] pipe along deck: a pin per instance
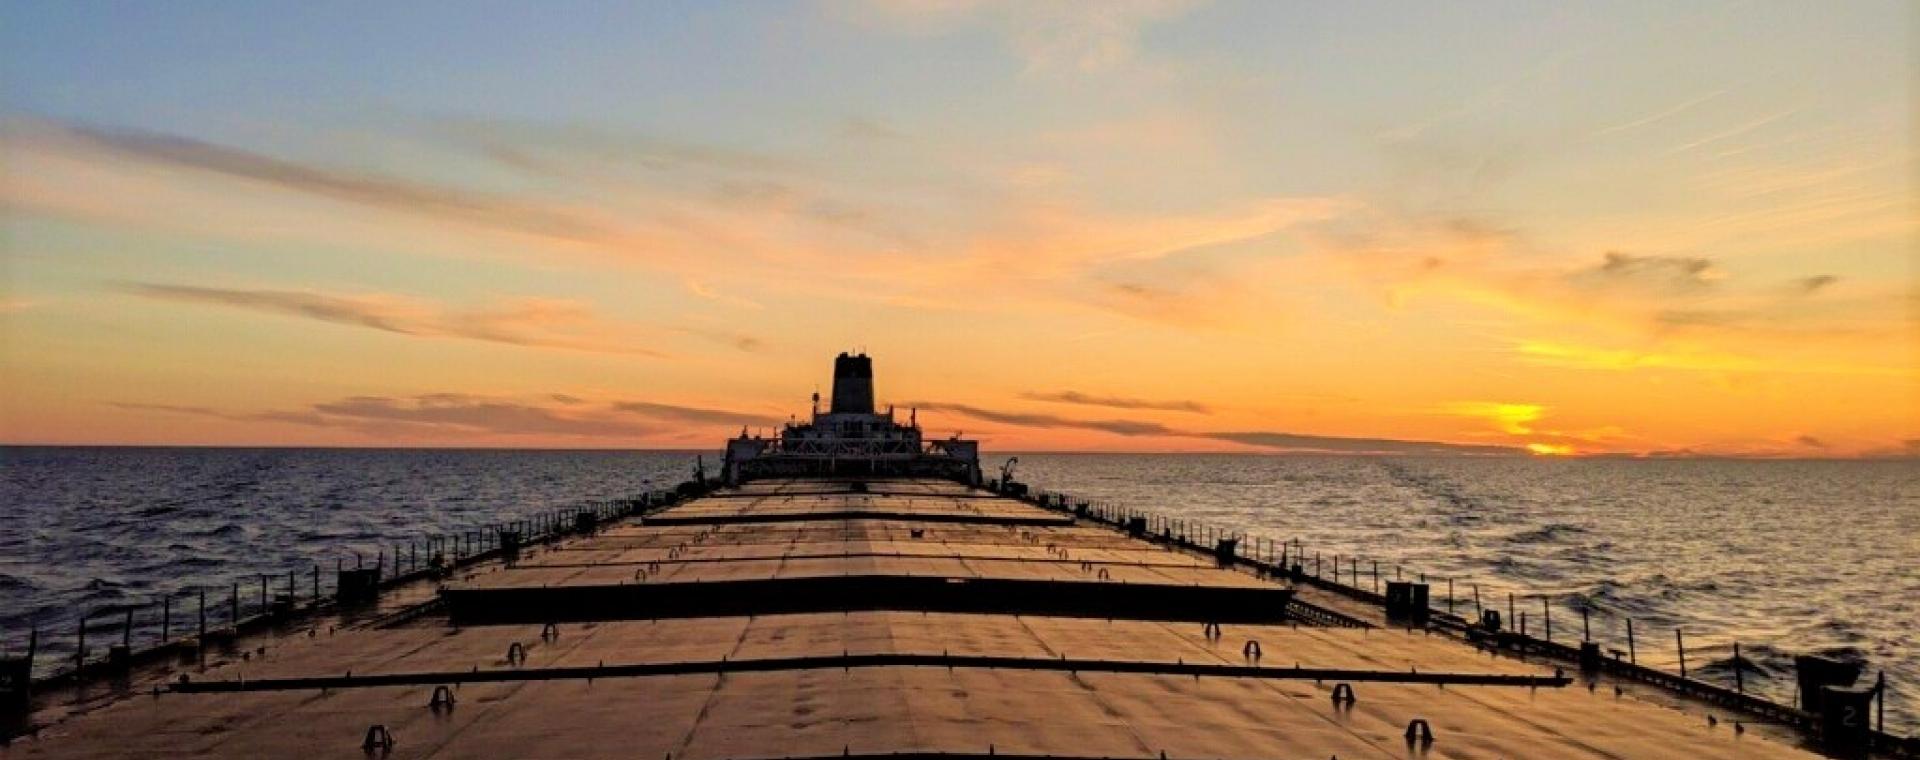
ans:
(918, 618)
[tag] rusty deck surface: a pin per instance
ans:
(1113, 658)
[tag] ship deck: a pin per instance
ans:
(802, 619)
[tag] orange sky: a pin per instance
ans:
(1130, 227)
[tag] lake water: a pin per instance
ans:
(1784, 557)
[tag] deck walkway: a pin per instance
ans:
(805, 619)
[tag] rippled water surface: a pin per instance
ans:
(88, 528)
(1783, 557)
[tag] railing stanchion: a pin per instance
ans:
(1680, 644)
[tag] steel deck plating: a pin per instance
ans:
(912, 618)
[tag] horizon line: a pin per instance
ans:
(1641, 456)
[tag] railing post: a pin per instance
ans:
(1680, 643)
(1546, 614)
(1880, 697)
(1739, 671)
(1632, 657)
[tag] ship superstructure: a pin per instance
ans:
(851, 438)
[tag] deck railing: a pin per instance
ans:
(108, 641)
(1350, 577)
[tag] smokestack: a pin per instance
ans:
(852, 385)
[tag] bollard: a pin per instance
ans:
(1407, 602)
(1224, 550)
(16, 678)
(1845, 716)
(119, 660)
(1814, 672)
(1590, 657)
(354, 586)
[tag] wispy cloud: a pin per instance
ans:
(1814, 284)
(1117, 402)
(693, 414)
(475, 413)
(434, 415)
(452, 415)
(419, 198)
(703, 290)
(1663, 272)
(1048, 37)
(737, 340)
(1661, 115)
(1684, 358)
(1295, 442)
(1732, 132)
(529, 322)
(1037, 420)
(1506, 417)
(1278, 441)
(1652, 296)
